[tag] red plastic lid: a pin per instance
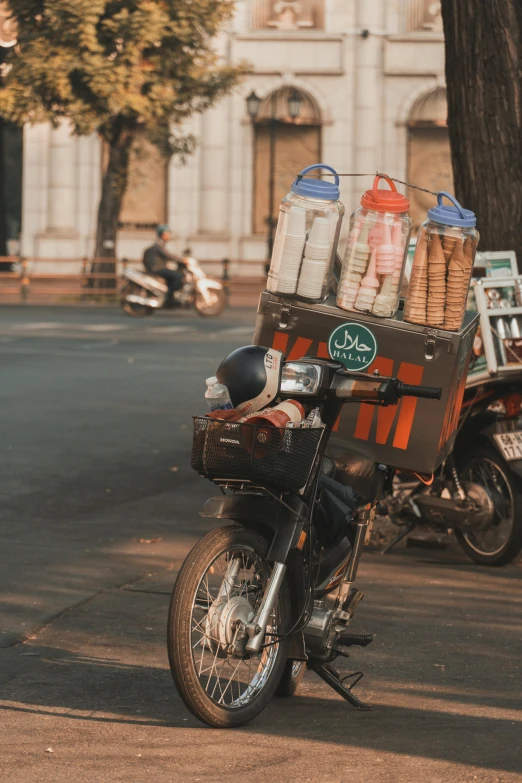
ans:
(384, 200)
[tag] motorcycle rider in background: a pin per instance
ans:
(155, 259)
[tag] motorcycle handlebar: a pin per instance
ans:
(428, 392)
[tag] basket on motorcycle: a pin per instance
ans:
(270, 456)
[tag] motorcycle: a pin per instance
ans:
(257, 602)
(143, 293)
(477, 492)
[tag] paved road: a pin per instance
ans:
(96, 413)
(98, 507)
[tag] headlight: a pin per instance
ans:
(300, 378)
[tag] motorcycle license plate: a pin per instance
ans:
(510, 444)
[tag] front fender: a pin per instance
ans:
(280, 526)
(206, 284)
(255, 512)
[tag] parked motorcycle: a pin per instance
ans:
(477, 492)
(143, 293)
(257, 602)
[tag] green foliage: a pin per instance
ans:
(113, 65)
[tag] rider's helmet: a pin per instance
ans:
(252, 376)
(162, 229)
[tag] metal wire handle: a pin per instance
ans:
(387, 176)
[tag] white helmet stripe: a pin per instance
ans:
(273, 362)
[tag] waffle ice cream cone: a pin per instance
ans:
(457, 287)
(386, 254)
(398, 243)
(359, 258)
(385, 300)
(369, 287)
(375, 235)
(415, 309)
(469, 252)
(448, 243)
(436, 283)
(347, 292)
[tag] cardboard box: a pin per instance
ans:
(414, 435)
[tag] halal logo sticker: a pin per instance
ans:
(354, 345)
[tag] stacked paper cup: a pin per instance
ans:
(284, 274)
(317, 254)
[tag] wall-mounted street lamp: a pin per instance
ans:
(253, 103)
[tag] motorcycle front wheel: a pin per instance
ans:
(501, 541)
(212, 308)
(218, 589)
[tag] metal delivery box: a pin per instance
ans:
(416, 434)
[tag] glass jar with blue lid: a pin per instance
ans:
(306, 239)
(442, 266)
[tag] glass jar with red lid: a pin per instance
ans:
(375, 256)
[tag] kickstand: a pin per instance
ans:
(407, 528)
(331, 676)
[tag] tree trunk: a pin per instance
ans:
(4, 266)
(114, 185)
(483, 42)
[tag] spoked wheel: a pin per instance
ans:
(293, 673)
(500, 541)
(218, 590)
(215, 305)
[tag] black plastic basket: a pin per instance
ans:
(269, 456)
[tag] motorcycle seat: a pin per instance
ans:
(355, 471)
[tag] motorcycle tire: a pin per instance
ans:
(293, 674)
(210, 310)
(202, 681)
(133, 309)
(490, 469)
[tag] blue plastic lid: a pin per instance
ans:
(316, 188)
(451, 216)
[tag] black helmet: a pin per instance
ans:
(252, 376)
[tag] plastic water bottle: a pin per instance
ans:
(217, 396)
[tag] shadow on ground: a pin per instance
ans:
(443, 672)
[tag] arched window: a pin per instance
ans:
(429, 156)
(296, 144)
(288, 15)
(424, 16)
(145, 201)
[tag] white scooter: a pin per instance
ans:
(142, 293)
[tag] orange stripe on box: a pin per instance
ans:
(409, 373)
(299, 349)
(322, 351)
(364, 420)
(280, 342)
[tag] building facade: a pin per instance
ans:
(370, 78)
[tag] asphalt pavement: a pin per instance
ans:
(99, 507)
